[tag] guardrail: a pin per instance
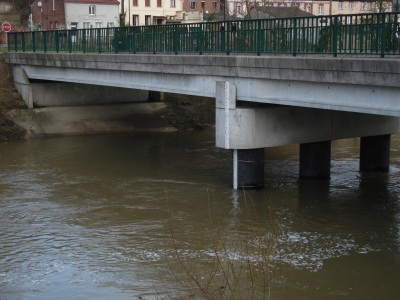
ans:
(372, 34)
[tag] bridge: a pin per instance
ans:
(262, 99)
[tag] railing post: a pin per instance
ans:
(33, 41)
(383, 39)
(98, 33)
(23, 41)
(45, 41)
(395, 39)
(222, 31)
(15, 41)
(175, 40)
(259, 37)
(201, 39)
(57, 41)
(227, 34)
(294, 37)
(83, 40)
(134, 41)
(153, 39)
(69, 41)
(335, 35)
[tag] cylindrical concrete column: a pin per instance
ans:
(375, 153)
(248, 168)
(315, 160)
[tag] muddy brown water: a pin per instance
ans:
(104, 217)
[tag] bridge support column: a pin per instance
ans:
(156, 96)
(375, 153)
(315, 160)
(248, 168)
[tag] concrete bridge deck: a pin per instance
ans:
(357, 84)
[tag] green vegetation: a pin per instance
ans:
(190, 112)
(9, 98)
(230, 261)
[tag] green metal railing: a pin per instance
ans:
(372, 34)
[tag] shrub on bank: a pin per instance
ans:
(9, 98)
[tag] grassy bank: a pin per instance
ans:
(9, 98)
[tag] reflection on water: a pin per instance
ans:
(90, 218)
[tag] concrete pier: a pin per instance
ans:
(315, 160)
(248, 168)
(375, 153)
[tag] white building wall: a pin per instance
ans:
(79, 13)
(166, 10)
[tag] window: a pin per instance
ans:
(320, 9)
(351, 6)
(214, 5)
(147, 3)
(92, 10)
(134, 2)
(308, 8)
(147, 20)
(110, 24)
(158, 3)
(192, 4)
(238, 9)
(172, 3)
(98, 24)
(86, 25)
(135, 20)
(340, 6)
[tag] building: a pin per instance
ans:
(91, 14)
(47, 15)
(150, 12)
(70, 14)
(315, 7)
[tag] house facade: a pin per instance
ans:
(150, 12)
(315, 7)
(74, 14)
(86, 14)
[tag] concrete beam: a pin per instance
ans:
(72, 94)
(269, 126)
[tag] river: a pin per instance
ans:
(123, 216)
